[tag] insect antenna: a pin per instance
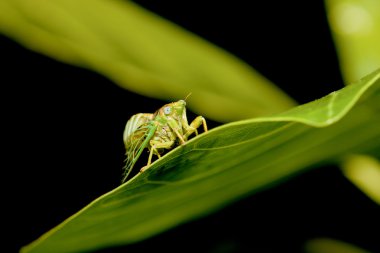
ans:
(188, 95)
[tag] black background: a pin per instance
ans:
(63, 129)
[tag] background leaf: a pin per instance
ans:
(355, 26)
(323, 245)
(222, 166)
(144, 53)
(364, 172)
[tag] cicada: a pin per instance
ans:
(163, 130)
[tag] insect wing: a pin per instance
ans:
(134, 123)
(135, 144)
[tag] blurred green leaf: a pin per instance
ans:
(364, 172)
(143, 53)
(223, 165)
(327, 245)
(355, 26)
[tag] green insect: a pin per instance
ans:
(166, 128)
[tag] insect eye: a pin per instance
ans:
(167, 110)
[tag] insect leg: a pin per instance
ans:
(179, 136)
(154, 146)
(197, 122)
(173, 124)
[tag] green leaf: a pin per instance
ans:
(364, 172)
(143, 53)
(355, 26)
(323, 245)
(223, 165)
